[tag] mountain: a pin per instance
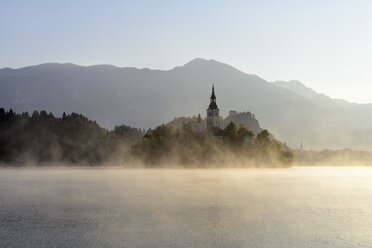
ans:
(351, 120)
(146, 98)
(297, 87)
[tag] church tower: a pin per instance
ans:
(213, 119)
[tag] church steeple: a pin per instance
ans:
(213, 104)
(213, 96)
(213, 119)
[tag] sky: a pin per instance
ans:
(327, 45)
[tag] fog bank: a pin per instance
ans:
(101, 207)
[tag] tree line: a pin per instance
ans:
(43, 138)
(231, 147)
(74, 139)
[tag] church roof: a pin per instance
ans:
(213, 104)
(213, 96)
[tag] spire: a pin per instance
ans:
(213, 96)
(213, 104)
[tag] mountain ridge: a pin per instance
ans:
(146, 98)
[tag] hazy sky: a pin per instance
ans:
(325, 44)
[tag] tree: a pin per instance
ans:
(133, 135)
(244, 134)
(35, 114)
(199, 119)
(2, 113)
(234, 136)
(11, 113)
(230, 133)
(263, 137)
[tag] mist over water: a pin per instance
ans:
(114, 207)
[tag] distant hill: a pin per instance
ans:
(297, 87)
(146, 98)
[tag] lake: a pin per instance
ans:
(113, 207)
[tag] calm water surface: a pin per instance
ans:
(298, 207)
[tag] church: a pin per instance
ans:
(213, 118)
(213, 113)
(214, 123)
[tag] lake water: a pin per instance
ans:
(82, 207)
